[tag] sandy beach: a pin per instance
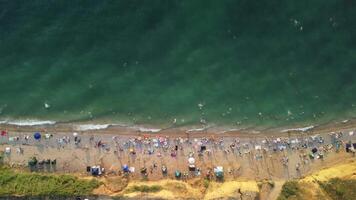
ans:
(246, 155)
(243, 154)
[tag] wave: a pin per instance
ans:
(230, 130)
(152, 130)
(144, 129)
(303, 129)
(27, 122)
(87, 127)
(198, 129)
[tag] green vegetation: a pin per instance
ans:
(269, 182)
(34, 184)
(1, 158)
(335, 189)
(340, 189)
(145, 188)
(206, 183)
(290, 190)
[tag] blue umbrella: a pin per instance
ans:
(125, 168)
(37, 135)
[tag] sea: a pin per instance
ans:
(234, 63)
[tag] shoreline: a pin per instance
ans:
(192, 130)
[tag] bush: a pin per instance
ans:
(271, 183)
(145, 188)
(33, 184)
(289, 190)
(339, 189)
(206, 183)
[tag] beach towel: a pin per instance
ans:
(3, 133)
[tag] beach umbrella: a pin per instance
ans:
(75, 134)
(37, 135)
(125, 168)
(177, 174)
(191, 160)
(3, 133)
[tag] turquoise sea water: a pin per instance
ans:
(261, 63)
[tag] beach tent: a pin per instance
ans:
(7, 150)
(164, 169)
(348, 147)
(132, 169)
(143, 170)
(314, 150)
(32, 162)
(296, 141)
(202, 148)
(37, 136)
(96, 170)
(191, 168)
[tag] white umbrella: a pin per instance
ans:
(258, 147)
(191, 160)
(75, 134)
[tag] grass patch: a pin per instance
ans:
(34, 184)
(1, 158)
(145, 188)
(290, 190)
(206, 183)
(339, 189)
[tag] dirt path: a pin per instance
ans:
(276, 190)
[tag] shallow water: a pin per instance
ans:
(257, 63)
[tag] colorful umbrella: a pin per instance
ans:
(37, 135)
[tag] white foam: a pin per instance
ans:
(303, 129)
(230, 130)
(197, 129)
(87, 127)
(152, 130)
(46, 105)
(27, 122)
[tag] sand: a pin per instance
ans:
(245, 170)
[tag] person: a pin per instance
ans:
(164, 170)
(208, 174)
(297, 167)
(19, 150)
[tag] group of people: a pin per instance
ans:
(208, 151)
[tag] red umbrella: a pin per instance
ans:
(3, 133)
